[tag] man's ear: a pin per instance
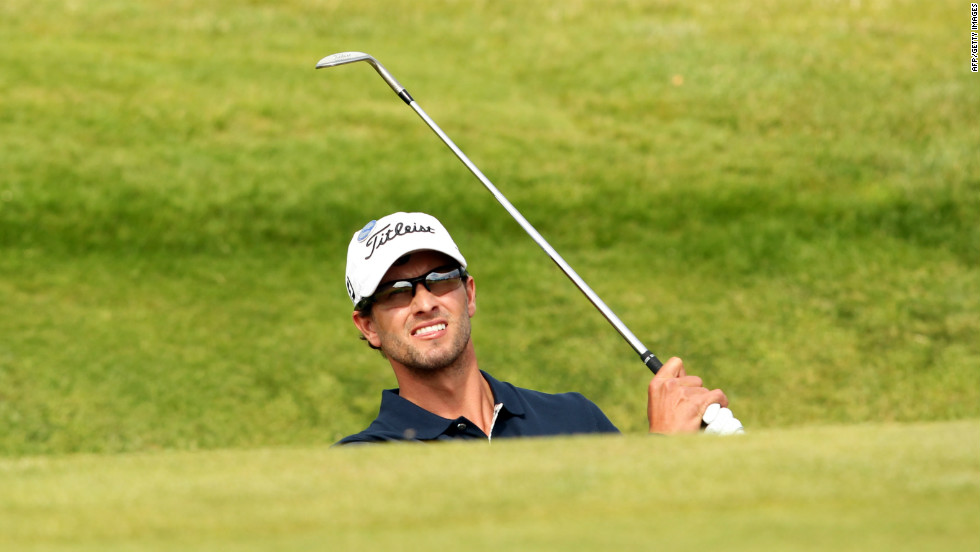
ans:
(365, 323)
(471, 296)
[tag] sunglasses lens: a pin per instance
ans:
(440, 283)
(396, 294)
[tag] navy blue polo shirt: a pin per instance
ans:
(524, 413)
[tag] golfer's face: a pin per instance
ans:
(433, 329)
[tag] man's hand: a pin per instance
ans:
(676, 401)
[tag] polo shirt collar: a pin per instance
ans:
(504, 393)
(404, 416)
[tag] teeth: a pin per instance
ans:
(430, 329)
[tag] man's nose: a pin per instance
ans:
(422, 298)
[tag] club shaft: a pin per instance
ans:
(540, 240)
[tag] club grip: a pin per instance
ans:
(651, 360)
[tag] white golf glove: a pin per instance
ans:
(721, 421)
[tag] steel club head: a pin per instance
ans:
(342, 58)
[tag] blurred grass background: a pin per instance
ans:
(786, 195)
(855, 488)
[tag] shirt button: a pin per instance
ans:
(461, 426)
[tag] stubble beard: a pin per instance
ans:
(427, 363)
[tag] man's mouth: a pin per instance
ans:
(429, 329)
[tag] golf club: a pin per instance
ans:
(647, 357)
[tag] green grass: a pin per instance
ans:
(785, 195)
(858, 487)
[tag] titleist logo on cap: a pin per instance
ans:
(388, 233)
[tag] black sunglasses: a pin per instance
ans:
(399, 293)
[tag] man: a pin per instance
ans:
(413, 301)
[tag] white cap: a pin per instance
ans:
(377, 246)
